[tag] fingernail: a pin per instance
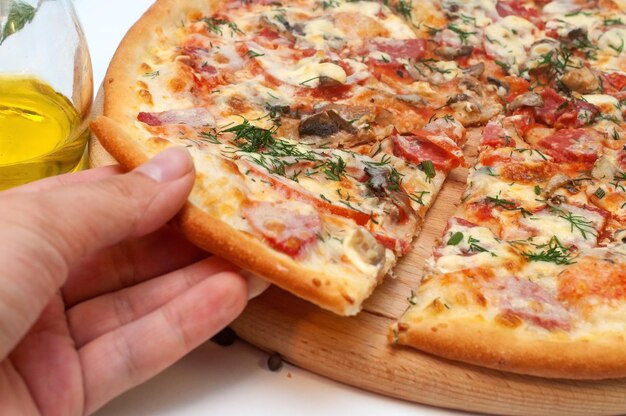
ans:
(170, 164)
(256, 285)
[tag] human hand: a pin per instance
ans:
(96, 294)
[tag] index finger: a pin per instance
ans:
(52, 230)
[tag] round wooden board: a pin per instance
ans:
(355, 350)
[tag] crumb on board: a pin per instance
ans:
(274, 362)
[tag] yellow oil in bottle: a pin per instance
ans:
(41, 133)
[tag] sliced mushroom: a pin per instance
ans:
(324, 124)
(362, 249)
(286, 32)
(458, 98)
(603, 169)
(556, 182)
(325, 81)
(471, 84)
(475, 70)
(528, 99)
(545, 42)
(557, 200)
(449, 52)
(581, 80)
(378, 180)
(501, 84)
(463, 103)
(576, 33)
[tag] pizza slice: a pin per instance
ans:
(315, 160)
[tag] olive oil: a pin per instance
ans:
(41, 133)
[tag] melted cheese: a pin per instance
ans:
(509, 39)
(547, 224)
(484, 184)
(397, 27)
(590, 23)
(608, 105)
(613, 41)
(318, 33)
(560, 7)
(462, 256)
(306, 72)
(484, 11)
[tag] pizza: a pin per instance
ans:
(530, 273)
(316, 159)
(322, 131)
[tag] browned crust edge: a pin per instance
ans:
(516, 350)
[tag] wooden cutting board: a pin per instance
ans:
(355, 350)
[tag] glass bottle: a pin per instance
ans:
(46, 90)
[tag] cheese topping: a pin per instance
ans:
(484, 11)
(609, 106)
(612, 41)
(509, 39)
(306, 72)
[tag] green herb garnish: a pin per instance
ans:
(215, 25)
(327, 4)
(405, 8)
(552, 252)
(335, 168)
(252, 54)
(455, 239)
(20, 14)
(418, 197)
(429, 169)
(153, 74)
(599, 193)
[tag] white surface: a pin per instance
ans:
(215, 380)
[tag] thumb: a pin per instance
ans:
(46, 232)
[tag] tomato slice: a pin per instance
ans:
(293, 192)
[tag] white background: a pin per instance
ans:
(216, 380)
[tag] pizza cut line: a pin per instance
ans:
(305, 136)
(322, 132)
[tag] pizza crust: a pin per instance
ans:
(481, 342)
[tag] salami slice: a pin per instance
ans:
(572, 146)
(284, 229)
